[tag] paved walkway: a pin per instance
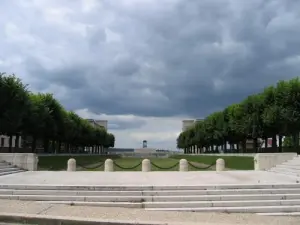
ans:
(149, 179)
(140, 215)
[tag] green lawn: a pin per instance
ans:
(96, 163)
(231, 162)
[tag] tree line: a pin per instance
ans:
(42, 121)
(273, 113)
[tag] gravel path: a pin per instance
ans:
(140, 215)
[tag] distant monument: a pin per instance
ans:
(144, 144)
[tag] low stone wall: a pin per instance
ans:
(26, 161)
(265, 161)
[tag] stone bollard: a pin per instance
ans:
(109, 166)
(220, 165)
(71, 165)
(146, 165)
(183, 165)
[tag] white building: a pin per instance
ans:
(189, 123)
(101, 123)
(4, 141)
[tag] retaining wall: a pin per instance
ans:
(26, 161)
(265, 161)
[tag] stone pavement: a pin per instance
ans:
(140, 215)
(121, 179)
(148, 179)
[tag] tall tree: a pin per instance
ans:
(43, 122)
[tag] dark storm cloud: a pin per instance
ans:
(72, 77)
(162, 57)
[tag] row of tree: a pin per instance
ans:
(273, 113)
(42, 121)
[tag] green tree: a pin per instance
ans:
(288, 141)
(14, 102)
(274, 113)
(43, 122)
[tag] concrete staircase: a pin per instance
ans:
(6, 169)
(291, 167)
(266, 199)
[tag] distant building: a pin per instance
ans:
(4, 141)
(145, 150)
(98, 123)
(189, 123)
(119, 150)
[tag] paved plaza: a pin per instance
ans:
(147, 179)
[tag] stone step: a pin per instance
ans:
(285, 171)
(152, 198)
(146, 188)
(296, 164)
(8, 169)
(247, 209)
(5, 166)
(10, 172)
(183, 204)
(98, 204)
(287, 174)
(150, 193)
(297, 168)
(280, 214)
(291, 163)
(287, 167)
(243, 203)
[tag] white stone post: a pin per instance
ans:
(71, 165)
(109, 165)
(146, 165)
(220, 165)
(183, 165)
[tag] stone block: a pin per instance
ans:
(146, 165)
(183, 165)
(108, 165)
(71, 165)
(220, 165)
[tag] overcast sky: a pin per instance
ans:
(147, 64)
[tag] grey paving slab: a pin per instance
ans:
(140, 215)
(22, 207)
(148, 178)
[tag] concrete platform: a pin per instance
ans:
(148, 178)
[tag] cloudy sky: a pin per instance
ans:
(147, 64)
